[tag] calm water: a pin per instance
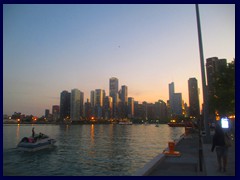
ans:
(86, 150)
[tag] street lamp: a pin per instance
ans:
(205, 93)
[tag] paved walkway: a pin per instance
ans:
(211, 164)
(188, 163)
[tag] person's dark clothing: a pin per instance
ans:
(218, 140)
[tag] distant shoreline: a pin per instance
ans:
(73, 123)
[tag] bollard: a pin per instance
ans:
(171, 146)
(171, 152)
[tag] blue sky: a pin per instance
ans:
(51, 48)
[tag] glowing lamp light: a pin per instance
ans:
(225, 122)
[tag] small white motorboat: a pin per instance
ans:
(40, 141)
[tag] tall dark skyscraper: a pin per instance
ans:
(171, 96)
(75, 105)
(113, 92)
(214, 66)
(194, 109)
(175, 100)
(130, 107)
(113, 86)
(124, 94)
(65, 104)
(123, 102)
(55, 112)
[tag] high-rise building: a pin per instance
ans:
(65, 104)
(122, 106)
(194, 108)
(213, 67)
(124, 94)
(47, 113)
(81, 104)
(92, 98)
(108, 105)
(171, 96)
(113, 92)
(55, 112)
(177, 105)
(75, 105)
(175, 101)
(99, 99)
(88, 110)
(113, 86)
(130, 107)
(161, 111)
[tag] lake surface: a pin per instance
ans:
(86, 150)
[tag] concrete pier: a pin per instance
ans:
(189, 163)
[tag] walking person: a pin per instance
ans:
(221, 148)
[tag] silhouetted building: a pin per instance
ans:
(123, 94)
(81, 105)
(175, 101)
(75, 105)
(113, 86)
(108, 107)
(171, 97)
(92, 98)
(194, 108)
(161, 111)
(55, 112)
(47, 113)
(113, 92)
(99, 99)
(130, 107)
(139, 111)
(213, 67)
(177, 105)
(65, 104)
(88, 110)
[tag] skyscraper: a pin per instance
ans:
(177, 104)
(88, 110)
(124, 101)
(171, 96)
(55, 112)
(108, 105)
(175, 101)
(124, 94)
(99, 99)
(92, 99)
(65, 104)
(113, 92)
(214, 66)
(113, 86)
(130, 107)
(194, 109)
(75, 105)
(161, 111)
(81, 104)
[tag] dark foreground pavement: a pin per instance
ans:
(189, 163)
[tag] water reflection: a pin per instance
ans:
(18, 132)
(95, 149)
(92, 134)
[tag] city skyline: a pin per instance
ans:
(51, 48)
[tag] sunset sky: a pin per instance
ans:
(51, 48)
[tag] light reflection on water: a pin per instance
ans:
(86, 150)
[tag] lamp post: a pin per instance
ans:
(204, 87)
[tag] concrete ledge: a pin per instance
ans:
(150, 166)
